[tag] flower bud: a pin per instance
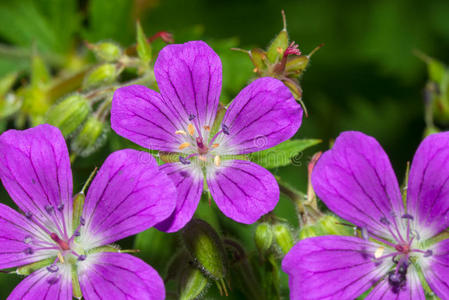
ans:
(192, 284)
(326, 225)
(103, 74)
(68, 114)
(206, 248)
(90, 137)
(277, 47)
(283, 237)
(143, 46)
(106, 51)
(263, 237)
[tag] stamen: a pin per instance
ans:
(428, 253)
(385, 221)
(217, 160)
(52, 268)
(407, 216)
(206, 127)
(184, 161)
(379, 251)
(191, 117)
(53, 280)
(202, 157)
(191, 129)
(61, 258)
(82, 257)
(364, 232)
(28, 251)
(82, 221)
(180, 132)
(61, 206)
(76, 233)
(184, 145)
(28, 239)
(215, 145)
(225, 129)
(28, 215)
(49, 208)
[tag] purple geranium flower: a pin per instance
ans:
(356, 181)
(126, 197)
(179, 119)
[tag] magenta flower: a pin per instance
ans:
(127, 196)
(179, 119)
(356, 181)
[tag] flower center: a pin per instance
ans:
(195, 145)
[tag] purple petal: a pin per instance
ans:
(437, 270)
(43, 284)
(35, 170)
(411, 290)
(189, 78)
(262, 115)
(140, 115)
(18, 238)
(428, 186)
(128, 195)
(356, 181)
(332, 267)
(189, 185)
(119, 276)
(243, 191)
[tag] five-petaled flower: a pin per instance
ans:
(400, 239)
(126, 196)
(180, 118)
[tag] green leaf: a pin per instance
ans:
(283, 154)
(143, 46)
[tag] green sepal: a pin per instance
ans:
(76, 288)
(91, 136)
(193, 284)
(283, 154)
(206, 248)
(258, 57)
(30, 268)
(263, 237)
(436, 70)
(68, 114)
(143, 46)
(221, 111)
(277, 47)
(78, 204)
(296, 64)
(103, 74)
(107, 248)
(6, 83)
(283, 237)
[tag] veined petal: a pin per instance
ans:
(128, 195)
(19, 240)
(428, 185)
(411, 290)
(189, 78)
(243, 190)
(43, 284)
(332, 267)
(35, 170)
(140, 115)
(262, 115)
(436, 271)
(356, 181)
(118, 276)
(188, 181)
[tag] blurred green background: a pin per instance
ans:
(365, 78)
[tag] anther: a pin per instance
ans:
(215, 145)
(364, 232)
(82, 257)
(28, 215)
(407, 216)
(191, 117)
(28, 239)
(82, 221)
(384, 221)
(225, 129)
(28, 251)
(49, 208)
(206, 127)
(52, 268)
(428, 253)
(184, 145)
(53, 280)
(180, 132)
(184, 161)
(217, 160)
(379, 251)
(191, 129)
(61, 206)
(76, 233)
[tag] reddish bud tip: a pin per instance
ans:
(163, 35)
(293, 49)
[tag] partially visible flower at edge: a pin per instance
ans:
(401, 244)
(180, 118)
(126, 196)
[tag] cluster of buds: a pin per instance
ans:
(282, 60)
(79, 104)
